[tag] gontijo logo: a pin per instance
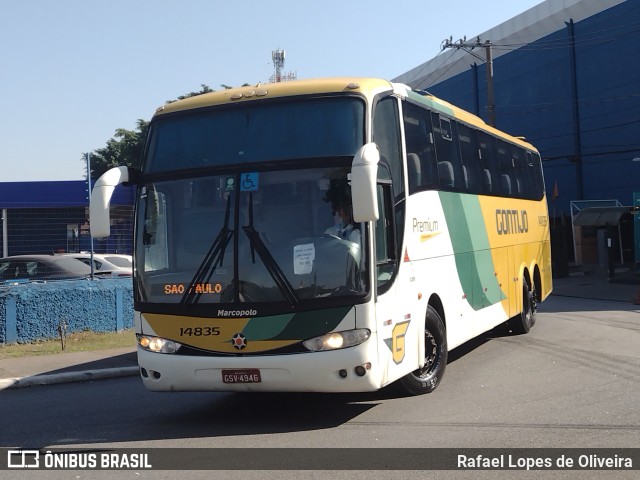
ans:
(510, 222)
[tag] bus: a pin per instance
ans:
(242, 281)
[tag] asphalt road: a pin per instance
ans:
(572, 382)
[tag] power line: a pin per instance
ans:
(592, 130)
(468, 47)
(571, 157)
(600, 37)
(425, 66)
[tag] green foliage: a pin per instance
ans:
(204, 89)
(124, 149)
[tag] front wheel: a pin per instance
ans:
(427, 378)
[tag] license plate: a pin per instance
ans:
(245, 375)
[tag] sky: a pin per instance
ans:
(74, 71)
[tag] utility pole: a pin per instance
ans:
(468, 47)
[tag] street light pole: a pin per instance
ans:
(89, 191)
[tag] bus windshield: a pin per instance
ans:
(256, 132)
(253, 237)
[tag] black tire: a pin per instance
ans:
(522, 323)
(426, 379)
(534, 306)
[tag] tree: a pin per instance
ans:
(124, 149)
(204, 89)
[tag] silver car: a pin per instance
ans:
(114, 264)
(24, 268)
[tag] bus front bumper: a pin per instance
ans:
(352, 369)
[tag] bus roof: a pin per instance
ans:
(332, 85)
(464, 116)
(274, 90)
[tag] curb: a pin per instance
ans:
(68, 377)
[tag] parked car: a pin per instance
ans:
(114, 264)
(23, 268)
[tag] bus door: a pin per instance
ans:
(396, 296)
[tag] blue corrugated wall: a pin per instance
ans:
(35, 311)
(534, 98)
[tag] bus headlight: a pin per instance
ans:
(336, 340)
(157, 344)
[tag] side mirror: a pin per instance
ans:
(364, 171)
(99, 218)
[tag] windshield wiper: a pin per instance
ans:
(212, 259)
(258, 246)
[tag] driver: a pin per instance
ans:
(344, 226)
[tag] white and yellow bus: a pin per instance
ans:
(245, 277)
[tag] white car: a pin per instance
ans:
(114, 264)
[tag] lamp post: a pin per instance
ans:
(89, 191)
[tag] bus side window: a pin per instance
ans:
(505, 163)
(447, 153)
(490, 170)
(386, 134)
(523, 183)
(529, 171)
(535, 169)
(421, 167)
(470, 162)
(385, 237)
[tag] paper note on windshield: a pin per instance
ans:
(303, 257)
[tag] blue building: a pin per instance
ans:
(566, 76)
(53, 217)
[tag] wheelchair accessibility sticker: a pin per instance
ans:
(249, 182)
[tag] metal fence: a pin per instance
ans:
(49, 230)
(27, 231)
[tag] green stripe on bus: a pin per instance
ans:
(266, 328)
(313, 323)
(473, 257)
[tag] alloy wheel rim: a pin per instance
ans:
(431, 355)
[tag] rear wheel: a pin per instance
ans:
(534, 305)
(522, 323)
(427, 378)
